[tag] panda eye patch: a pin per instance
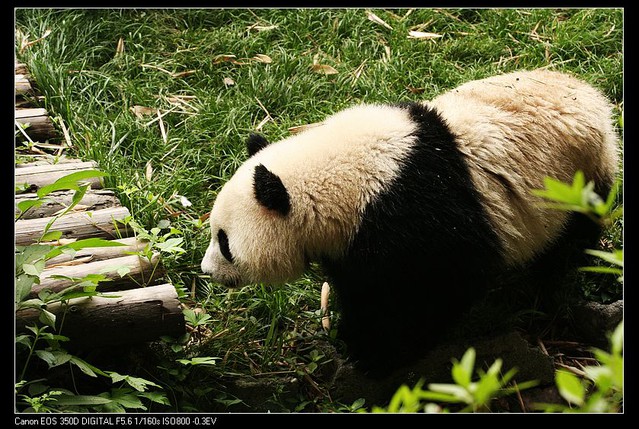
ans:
(223, 241)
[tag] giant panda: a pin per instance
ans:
(413, 209)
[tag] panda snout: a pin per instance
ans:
(219, 270)
(207, 264)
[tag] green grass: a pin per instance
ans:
(172, 55)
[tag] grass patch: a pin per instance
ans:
(163, 100)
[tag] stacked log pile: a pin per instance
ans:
(136, 306)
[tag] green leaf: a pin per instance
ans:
(198, 361)
(404, 400)
(576, 196)
(601, 375)
(82, 244)
(157, 397)
(495, 368)
(54, 357)
(24, 283)
(73, 292)
(81, 400)
(51, 236)
(85, 367)
(123, 271)
(602, 270)
(462, 371)
(32, 303)
(70, 181)
(616, 340)
(34, 269)
(486, 388)
(32, 253)
(25, 205)
(164, 223)
(439, 397)
(357, 404)
(127, 398)
(461, 394)
(614, 257)
(25, 340)
(570, 387)
(171, 245)
(139, 384)
(612, 195)
(93, 242)
(47, 317)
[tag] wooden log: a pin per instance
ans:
(21, 68)
(92, 254)
(140, 272)
(99, 223)
(48, 160)
(22, 85)
(37, 176)
(94, 199)
(24, 103)
(35, 112)
(40, 126)
(135, 316)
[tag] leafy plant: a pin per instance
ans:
(41, 342)
(581, 197)
(604, 381)
(473, 396)
(600, 390)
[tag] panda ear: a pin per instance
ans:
(270, 191)
(255, 143)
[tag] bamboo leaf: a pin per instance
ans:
(614, 257)
(377, 20)
(570, 387)
(261, 58)
(423, 35)
(463, 371)
(323, 69)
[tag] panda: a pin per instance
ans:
(413, 209)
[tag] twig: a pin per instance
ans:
(160, 116)
(19, 125)
(572, 369)
(521, 400)
(542, 347)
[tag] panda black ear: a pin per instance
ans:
(255, 143)
(270, 191)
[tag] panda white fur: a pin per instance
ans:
(412, 209)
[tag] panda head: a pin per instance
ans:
(254, 237)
